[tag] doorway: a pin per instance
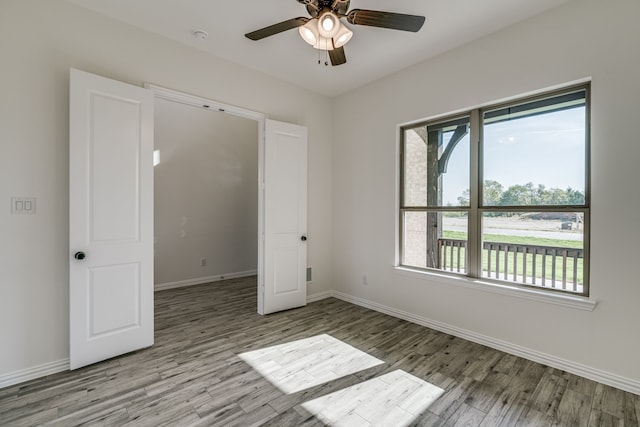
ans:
(206, 195)
(282, 207)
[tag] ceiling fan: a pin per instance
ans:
(324, 30)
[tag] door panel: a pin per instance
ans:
(110, 218)
(114, 146)
(114, 286)
(285, 198)
(285, 277)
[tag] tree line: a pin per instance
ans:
(528, 194)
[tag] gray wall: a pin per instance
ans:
(582, 39)
(206, 194)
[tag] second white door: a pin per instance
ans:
(285, 208)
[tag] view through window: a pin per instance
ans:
(511, 207)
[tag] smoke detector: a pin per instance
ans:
(200, 34)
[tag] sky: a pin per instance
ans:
(546, 149)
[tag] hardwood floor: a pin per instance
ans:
(330, 363)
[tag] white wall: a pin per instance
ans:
(583, 39)
(39, 41)
(351, 192)
(206, 193)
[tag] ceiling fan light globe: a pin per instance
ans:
(342, 36)
(328, 24)
(309, 32)
(308, 36)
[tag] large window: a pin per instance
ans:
(501, 193)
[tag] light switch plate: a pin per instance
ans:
(23, 205)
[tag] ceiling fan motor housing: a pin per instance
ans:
(315, 7)
(340, 6)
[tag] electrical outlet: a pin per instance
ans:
(365, 281)
(203, 262)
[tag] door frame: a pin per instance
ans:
(208, 104)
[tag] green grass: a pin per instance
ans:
(521, 240)
(518, 240)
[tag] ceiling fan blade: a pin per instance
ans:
(337, 56)
(394, 21)
(276, 28)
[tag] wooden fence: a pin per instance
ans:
(546, 266)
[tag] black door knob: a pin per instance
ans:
(79, 256)
(303, 238)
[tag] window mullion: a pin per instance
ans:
(474, 251)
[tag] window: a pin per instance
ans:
(501, 193)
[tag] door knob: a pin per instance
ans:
(79, 256)
(303, 238)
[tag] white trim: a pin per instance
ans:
(202, 280)
(588, 372)
(594, 374)
(197, 101)
(34, 372)
(261, 214)
(319, 296)
(556, 298)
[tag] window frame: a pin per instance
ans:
(475, 210)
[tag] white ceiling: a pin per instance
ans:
(371, 54)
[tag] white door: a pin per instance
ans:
(110, 218)
(285, 218)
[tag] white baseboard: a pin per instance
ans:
(319, 296)
(34, 372)
(202, 280)
(588, 372)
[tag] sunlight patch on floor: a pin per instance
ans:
(308, 362)
(394, 399)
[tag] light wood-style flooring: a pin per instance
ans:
(216, 362)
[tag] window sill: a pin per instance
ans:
(571, 301)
